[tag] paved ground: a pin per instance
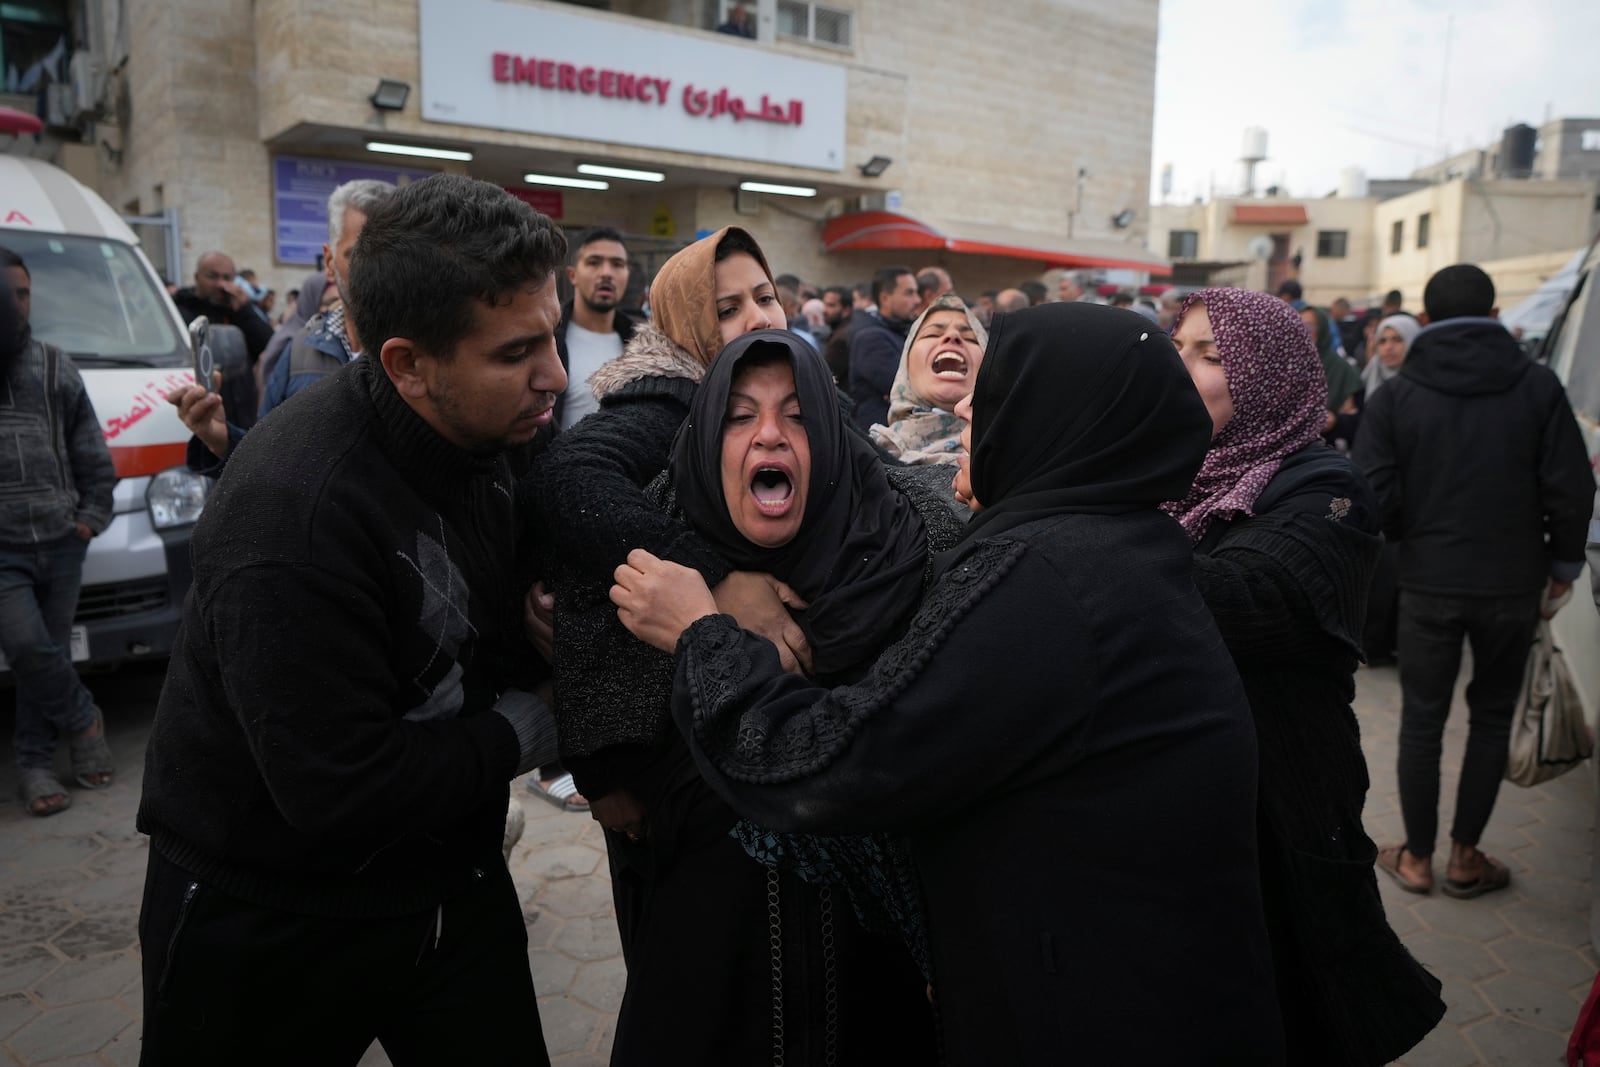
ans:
(1516, 965)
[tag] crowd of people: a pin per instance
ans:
(755, 596)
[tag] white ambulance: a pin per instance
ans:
(1572, 350)
(96, 297)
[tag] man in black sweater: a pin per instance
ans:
(876, 342)
(1484, 480)
(327, 778)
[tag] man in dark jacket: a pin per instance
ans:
(58, 478)
(876, 342)
(838, 312)
(325, 343)
(327, 777)
(218, 296)
(1484, 480)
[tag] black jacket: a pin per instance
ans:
(1478, 464)
(1288, 588)
(1101, 746)
(837, 350)
(875, 347)
(255, 327)
(324, 742)
(239, 399)
(623, 322)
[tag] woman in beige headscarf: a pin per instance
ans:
(938, 367)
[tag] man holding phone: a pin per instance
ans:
(59, 497)
(218, 296)
(324, 344)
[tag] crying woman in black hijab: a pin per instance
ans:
(1064, 669)
(769, 472)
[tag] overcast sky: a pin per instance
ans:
(1340, 83)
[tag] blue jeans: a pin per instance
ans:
(38, 596)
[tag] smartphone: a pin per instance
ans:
(199, 330)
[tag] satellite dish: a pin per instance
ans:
(1260, 246)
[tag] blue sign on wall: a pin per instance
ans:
(300, 191)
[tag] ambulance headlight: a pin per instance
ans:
(176, 497)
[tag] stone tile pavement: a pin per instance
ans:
(1516, 965)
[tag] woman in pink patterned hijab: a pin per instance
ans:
(1257, 363)
(1285, 540)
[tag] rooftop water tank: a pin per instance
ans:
(1517, 146)
(1352, 183)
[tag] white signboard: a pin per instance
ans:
(512, 67)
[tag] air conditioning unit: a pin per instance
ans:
(87, 74)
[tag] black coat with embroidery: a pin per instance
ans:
(1288, 588)
(611, 690)
(1073, 763)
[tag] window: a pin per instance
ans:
(1332, 244)
(35, 45)
(1183, 244)
(1424, 225)
(1590, 140)
(806, 21)
(94, 299)
(1397, 236)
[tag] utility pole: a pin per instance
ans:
(1444, 85)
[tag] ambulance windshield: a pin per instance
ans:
(94, 299)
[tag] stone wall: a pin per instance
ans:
(978, 128)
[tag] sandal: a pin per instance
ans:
(561, 791)
(41, 784)
(91, 756)
(1388, 862)
(1496, 875)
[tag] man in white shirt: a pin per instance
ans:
(592, 330)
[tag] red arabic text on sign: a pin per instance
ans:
(643, 88)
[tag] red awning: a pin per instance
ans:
(887, 231)
(1269, 215)
(17, 122)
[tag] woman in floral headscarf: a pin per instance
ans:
(938, 366)
(1285, 537)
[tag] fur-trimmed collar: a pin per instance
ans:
(650, 354)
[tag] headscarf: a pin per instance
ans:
(918, 432)
(683, 297)
(1375, 373)
(861, 550)
(305, 306)
(1343, 381)
(1080, 409)
(1278, 389)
